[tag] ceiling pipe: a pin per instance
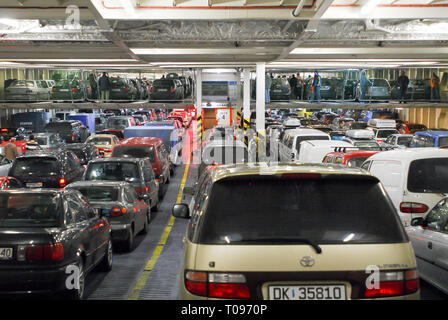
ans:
(296, 11)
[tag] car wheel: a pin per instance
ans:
(148, 218)
(129, 244)
(78, 293)
(106, 263)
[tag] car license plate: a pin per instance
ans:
(307, 292)
(162, 90)
(277, 90)
(116, 89)
(65, 90)
(5, 253)
(34, 185)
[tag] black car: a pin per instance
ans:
(167, 89)
(47, 169)
(84, 151)
(69, 130)
(138, 172)
(49, 239)
(118, 200)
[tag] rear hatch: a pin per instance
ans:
(162, 86)
(37, 172)
(142, 151)
(64, 129)
(21, 87)
(309, 233)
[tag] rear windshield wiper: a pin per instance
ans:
(312, 243)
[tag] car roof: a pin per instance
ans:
(101, 135)
(306, 132)
(353, 154)
(136, 141)
(116, 159)
(327, 143)
(239, 170)
(41, 153)
(432, 133)
(99, 183)
(412, 154)
(225, 143)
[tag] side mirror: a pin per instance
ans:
(188, 190)
(417, 222)
(145, 197)
(181, 211)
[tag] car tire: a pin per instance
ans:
(129, 244)
(148, 219)
(106, 263)
(78, 294)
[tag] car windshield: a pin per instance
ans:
(428, 175)
(113, 171)
(29, 210)
(163, 83)
(67, 83)
(385, 133)
(41, 140)
(117, 122)
(22, 83)
(324, 210)
(356, 162)
(380, 83)
(443, 141)
(370, 145)
(300, 139)
(35, 166)
(135, 152)
(404, 141)
(99, 193)
(115, 83)
(100, 141)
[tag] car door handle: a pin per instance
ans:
(429, 245)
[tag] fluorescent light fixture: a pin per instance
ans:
(128, 6)
(72, 60)
(369, 6)
(219, 70)
(10, 22)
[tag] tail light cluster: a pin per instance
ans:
(217, 285)
(53, 89)
(62, 183)
(75, 90)
(44, 252)
(73, 137)
(150, 89)
(118, 211)
(413, 207)
(395, 284)
(173, 89)
(126, 89)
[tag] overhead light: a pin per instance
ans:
(10, 22)
(369, 6)
(219, 70)
(128, 6)
(72, 60)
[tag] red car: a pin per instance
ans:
(7, 183)
(153, 148)
(349, 158)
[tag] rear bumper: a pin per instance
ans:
(120, 231)
(32, 281)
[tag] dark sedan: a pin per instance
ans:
(84, 151)
(280, 89)
(49, 241)
(47, 169)
(127, 212)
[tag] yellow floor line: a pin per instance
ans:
(141, 282)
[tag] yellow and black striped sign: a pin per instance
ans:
(199, 126)
(239, 117)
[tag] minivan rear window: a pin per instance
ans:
(330, 210)
(306, 138)
(134, 152)
(35, 166)
(99, 193)
(428, 175)
(113, 171)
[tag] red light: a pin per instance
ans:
(126, 89)
(53, 90)
(4, 130)
(228, 290)
(73, 137)
(173, 89)
(386, 288)
(117, 211)
(62, 182)
(198, 288)
(412, 285)
(47, 252)
(150, 89)
(74, 90)
(413, 207)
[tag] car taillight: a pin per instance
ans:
(117, 211)
(75, 90)
(150, 89)
(173, 89)
(53, 90)
(90, 89)
(413, 207)
(45, 252)
(73, 137)
(126, 89)
(62, 182)
(217, 285)
(394, 284)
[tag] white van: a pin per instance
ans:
(415, 179)
(314, 151)
(382, 128)
(289, 147)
